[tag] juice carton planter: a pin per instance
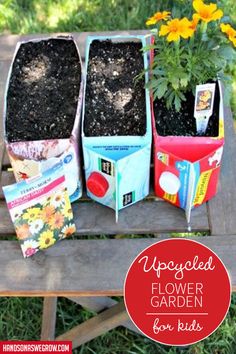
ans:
(30, 158)
(117, 168)
(186, 169)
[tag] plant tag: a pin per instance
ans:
(40, 210)
(204, 101)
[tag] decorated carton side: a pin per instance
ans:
(30, 158)
(186, 169)
(117, 168)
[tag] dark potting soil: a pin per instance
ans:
(43, 91)
(183, 123)
(115, 101)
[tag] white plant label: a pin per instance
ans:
(204, 101)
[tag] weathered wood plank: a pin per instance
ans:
(222, 208)
(86, 267)
(96, 326)
(49, 318)
(93, 303)
(99, 304)
(6, 161)
(4, 68)
(144, 217)
(8, 42)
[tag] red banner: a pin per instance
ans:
(40, 347)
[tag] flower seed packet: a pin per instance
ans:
(204, 102)
(40, 210)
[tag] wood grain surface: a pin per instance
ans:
(86, 267)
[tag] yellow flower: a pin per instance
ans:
(158, 16)
(194, 24)
(206, 13)
(177, 28)
(230, 31)
(31, 214)
(46, 239)
(67, 210)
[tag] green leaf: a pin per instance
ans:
(184, 79)
(170, 98)
(152, 84)
(177, 103)
(161, 89)
(181, 96)
(148, 47)
(158, 71)
(227, 51)
(175, 83)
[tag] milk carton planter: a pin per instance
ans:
(116, 121)
(188, 57)
(42, 109)
(186, 168)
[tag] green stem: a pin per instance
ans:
(176, 43)
(203, 30)
(192, 40)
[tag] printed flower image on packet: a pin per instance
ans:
(40, 210)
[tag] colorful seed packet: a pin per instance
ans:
(40, 210)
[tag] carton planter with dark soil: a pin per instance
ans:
(116, 121)
(42, 109)
(189, 58)
(186, 163)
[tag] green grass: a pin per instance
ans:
(20, 318)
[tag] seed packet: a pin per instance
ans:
(40, 210)
(204, 102)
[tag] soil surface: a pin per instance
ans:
(115, 101)
(43, 91)
(183, 123)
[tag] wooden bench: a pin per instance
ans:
(88, 271)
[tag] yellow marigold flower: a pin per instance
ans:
(31, 214)
(158, 16)
(194, 24)
(206, 13)
(46, 239)
(227, 29)
(177, 28)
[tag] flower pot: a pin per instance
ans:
(42, 109)
(116, 131)
(186, 168)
